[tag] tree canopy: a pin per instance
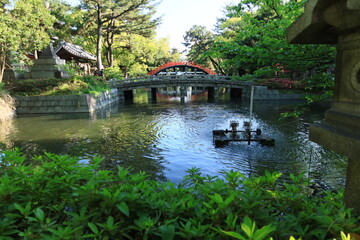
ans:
(113, 17)
(25, 27)
(120, 32)
(250, 39)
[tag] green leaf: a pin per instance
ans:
(217, 198)
(167, 232)
(110, 221)
(123, 207)
(344, 237)
(234, 235)
(263, 232)
(39, 214)
(20, 208)
(207, 205)
(24, 211)
(93, 227)
(248, 226)
(229, 199)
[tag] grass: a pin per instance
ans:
(60, 86)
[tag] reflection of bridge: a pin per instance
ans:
(152, 83)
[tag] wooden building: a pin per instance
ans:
(77, 55)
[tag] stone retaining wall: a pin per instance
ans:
(263, 93)
(66, 103)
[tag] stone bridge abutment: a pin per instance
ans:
(180, 85)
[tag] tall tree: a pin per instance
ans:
(251, 39)
(137, 55)
(136, 22)
(199, 40)
(65, 25)
(116, 16)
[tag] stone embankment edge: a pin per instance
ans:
(66, 103)
(264, 93)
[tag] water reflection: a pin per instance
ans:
(185, 95)
(125, 140)
(165, 139)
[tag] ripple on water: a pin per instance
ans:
(167, 139)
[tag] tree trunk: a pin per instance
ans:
(36, 56)
(2, 65)
(109, 50)
(110, 41)
(99, 40)
(216, 65)
(110, 56)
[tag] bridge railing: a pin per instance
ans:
(170, 77)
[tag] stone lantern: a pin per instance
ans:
(337, 22)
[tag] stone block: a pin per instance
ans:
(72, 97)
(58, 109)
(66, 103)
(51, 110)
(52, 98)
(46, 68)
(38, 103)
(72, 103)
(23, 103)
(62, 103)
(42, 74)
(19, 98)
(30, 103)
(50, 61)
(54, 103)
(42, 110)
(82, 103)
(46, 103)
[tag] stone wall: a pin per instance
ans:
(66, 103)
(263, 93)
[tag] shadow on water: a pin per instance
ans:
(168, 137)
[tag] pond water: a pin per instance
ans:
(167, 138)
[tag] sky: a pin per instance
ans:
(178, 16)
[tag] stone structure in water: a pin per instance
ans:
(337, 22)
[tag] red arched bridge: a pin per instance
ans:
(181, 68)
(179, 74)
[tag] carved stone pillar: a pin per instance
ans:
(338, 22)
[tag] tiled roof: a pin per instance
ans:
(75, 50)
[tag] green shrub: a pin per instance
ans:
(58, 197)
(113, 73)
(282, 83)
(320, 82)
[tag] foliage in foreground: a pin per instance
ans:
(57, 197)
(60, 86)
